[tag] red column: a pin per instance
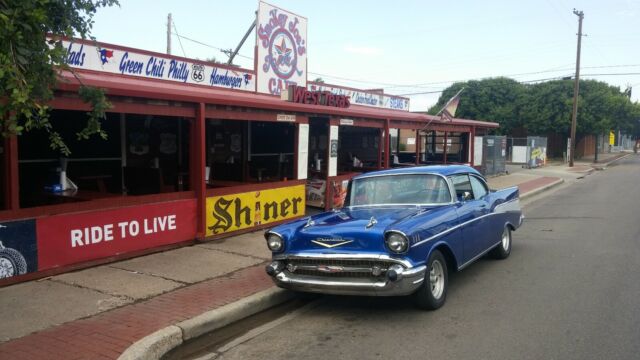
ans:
(444, 149)
(417, 147)
(12, 186)
(198, 156)
(387, 142)
(472, 144)
(381, 134)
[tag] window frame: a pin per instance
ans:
(482, 182)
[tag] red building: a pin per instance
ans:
(188, 160)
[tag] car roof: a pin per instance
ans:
(445, 170)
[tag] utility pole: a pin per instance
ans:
(576, 89)
(169, 22)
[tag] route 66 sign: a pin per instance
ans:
(197, 72)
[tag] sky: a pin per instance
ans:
(402, 46)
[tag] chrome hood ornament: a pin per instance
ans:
(371, 223)
(309, 222)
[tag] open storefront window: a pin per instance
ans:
(141, 155)
(433, 147)
(406, 147)
(359, 149)
(271, 151)
(156, 158)
(241, 152)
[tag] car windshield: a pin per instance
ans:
(399, 189)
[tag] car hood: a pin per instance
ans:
(350, 229)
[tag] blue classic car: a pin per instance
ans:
(400, 232)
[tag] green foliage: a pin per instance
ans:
(545, 107)
(29, 62)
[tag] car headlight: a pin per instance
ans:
(274, 242)
(397, 242)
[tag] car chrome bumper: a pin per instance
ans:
(410, 281)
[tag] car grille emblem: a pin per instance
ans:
(330, 242)
(330, 268)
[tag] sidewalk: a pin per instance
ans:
(98, 313)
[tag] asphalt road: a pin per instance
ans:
(569, 290)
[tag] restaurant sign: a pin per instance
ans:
(364, 98)
(301, 95)
(104, 58)
(233, 212)
(281, 39)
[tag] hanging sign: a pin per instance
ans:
(364, 98)
(286, 117)
(281, 39)
(108, 59)
(301, 95)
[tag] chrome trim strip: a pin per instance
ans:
(410, 282)
(380, 257)
(331, 246)
(451, 229)
(266, 234)
(366, 270)
(478, 256)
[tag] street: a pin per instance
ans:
(568, 291)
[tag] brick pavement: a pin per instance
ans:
(107, 335)
(531, 185)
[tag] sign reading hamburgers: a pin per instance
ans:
(301, 95)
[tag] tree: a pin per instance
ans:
(31, 54)
(494, 99)
(545, 107)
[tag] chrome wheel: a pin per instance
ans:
(436, 279)
(506, 239)
(6, 268)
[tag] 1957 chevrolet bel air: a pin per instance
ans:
(400, 232)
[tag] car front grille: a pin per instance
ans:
(338, 268)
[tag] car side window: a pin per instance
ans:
(479, 188)
(461, 184)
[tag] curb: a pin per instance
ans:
(157, 344)
(541, 189)
(602, 166)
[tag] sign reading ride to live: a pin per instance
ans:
(281, 39)
(73, 238)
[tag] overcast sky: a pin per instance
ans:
(405, 47)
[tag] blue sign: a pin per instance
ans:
(18, 248)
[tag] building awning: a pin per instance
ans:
(122, 85)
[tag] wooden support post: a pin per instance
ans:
(417, 147)
(11, 181)
(444, 149)
(387, 142)
(381, 135)
(198, 156)
(472, 145)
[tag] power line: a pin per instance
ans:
(427, 85)
(210, 46)
(179, 41)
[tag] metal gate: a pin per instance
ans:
(494, 155)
